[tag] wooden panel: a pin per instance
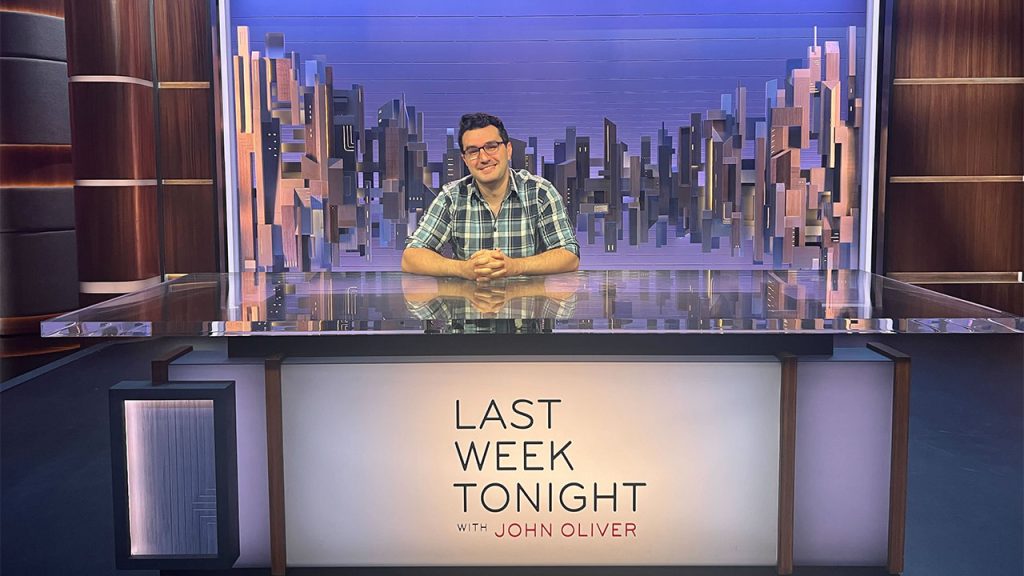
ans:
(954, 227)
(898, 455)
(10, 325)
(185, 134)
(117, 233)
(183, 40)
(112, 131)
(35, 165)
(787, 464)
(190, 235)
(1007, 297)
(109, 37)
(44, 7)
(959, 38)
(957, 130)
(160, 367)
(275, 465)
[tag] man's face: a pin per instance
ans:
(486, 167)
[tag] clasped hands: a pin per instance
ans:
(487, 265)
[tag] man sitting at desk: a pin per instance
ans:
(499, 222)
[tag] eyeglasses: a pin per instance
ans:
(473, 152)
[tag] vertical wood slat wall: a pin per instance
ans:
(186, 39)
(143, 141)
(953, 199)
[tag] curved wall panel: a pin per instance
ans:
(28, 294)
(117, 234)
(32, 36)
(113, 131)
(35, 100)
(38, 267)
(37, 209)
(109, 38)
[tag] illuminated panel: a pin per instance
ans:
(172, 481)
(175, 475)
(624, 463)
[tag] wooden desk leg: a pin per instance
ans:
(275, 465)
(898, 463)
(787, 463)
(161, 367)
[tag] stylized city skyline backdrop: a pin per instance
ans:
(725, 138)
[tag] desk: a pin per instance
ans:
(713, 420)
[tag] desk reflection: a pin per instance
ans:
(536, 298)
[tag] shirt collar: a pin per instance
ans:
(513, 185)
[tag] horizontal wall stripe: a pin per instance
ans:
(110, 183)
(35, 166)
(956, 81)
(117, 287)
(112, 80)
(24, 324)
(952, 179)
(183, 85)
(958, 277)
(186, 182)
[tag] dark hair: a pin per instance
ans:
(478, 120)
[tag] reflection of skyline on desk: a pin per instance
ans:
(739, 85)
(670, 301)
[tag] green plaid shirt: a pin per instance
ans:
(532, 220)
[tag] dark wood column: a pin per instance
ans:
(145, 128)
(110, 81)
(952, 203)
(189, 136)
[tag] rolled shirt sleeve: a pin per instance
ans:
(553, 224)
(435, 227)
